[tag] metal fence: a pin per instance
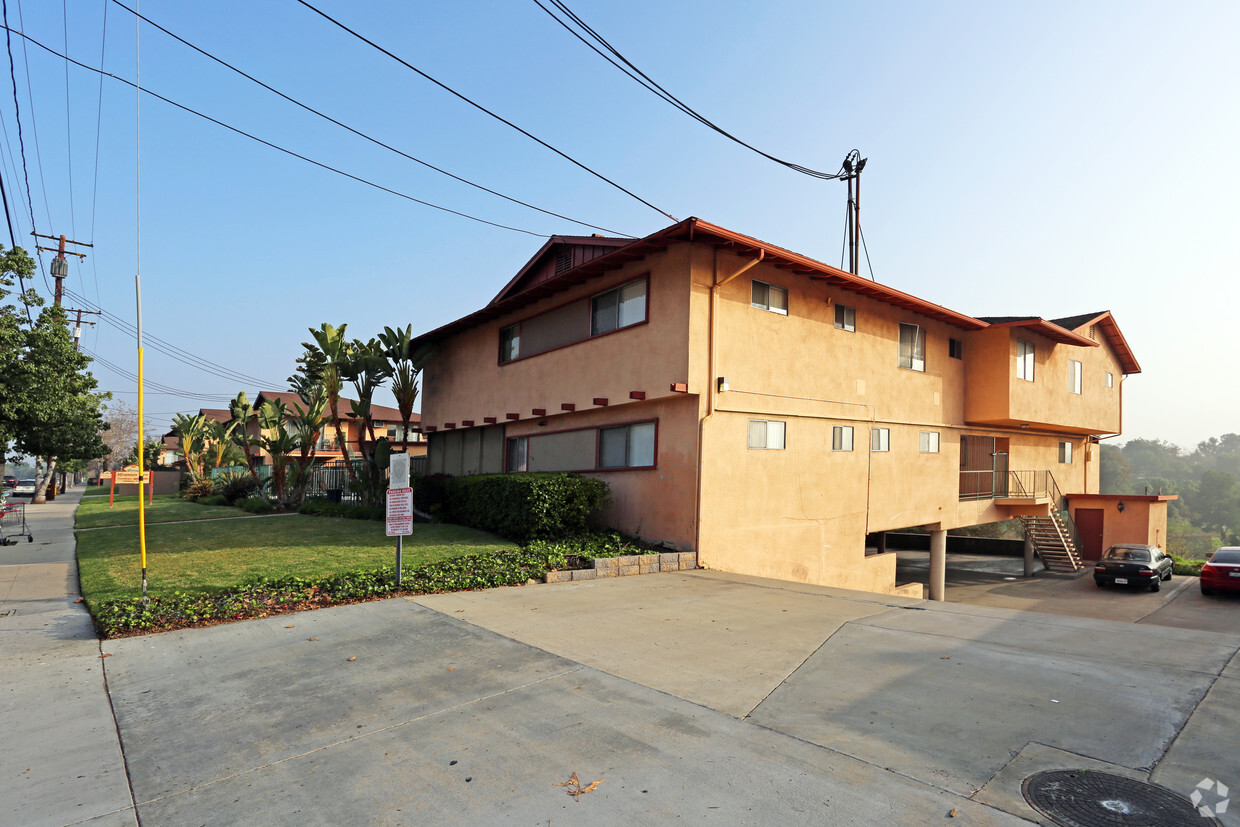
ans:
(331, 479)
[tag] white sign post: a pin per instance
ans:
(399, 519)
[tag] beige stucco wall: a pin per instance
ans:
(995, 395)
(464, 380)
(800, 513)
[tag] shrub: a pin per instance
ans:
(197, 489)
(268, 596)
(1186, 566)
(524, 507)
(595, 544)
(214, 499)
(237, 485)
(256, 505)
(351, 511)
(429, 491)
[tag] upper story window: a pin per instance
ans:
(575, 321)
(767, 433)
(627, 446)
(1024, 360)
(912, 347)
(1074, 376)
(769, 297)
(1065, 453)
(955, 348)
(510, 343)
(928, 442)
(1110, 379)
(621, 307)
(845, 317)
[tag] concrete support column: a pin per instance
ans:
(882, 542)
(938, 564)
(1028, 556)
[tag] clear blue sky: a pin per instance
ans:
(1046, 159)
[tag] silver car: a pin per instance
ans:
(25, 488)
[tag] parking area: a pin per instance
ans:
(989, 580)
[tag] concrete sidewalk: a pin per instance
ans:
(61, 760)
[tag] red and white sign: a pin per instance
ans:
(399, 512)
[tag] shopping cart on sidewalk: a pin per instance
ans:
(13, 524)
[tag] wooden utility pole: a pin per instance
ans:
(60, 267)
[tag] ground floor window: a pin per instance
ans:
(767, 433)
(929, 442)
(626, 446)
(841, 438)
(880, 439)
(518, 454)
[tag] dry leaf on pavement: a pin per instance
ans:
(574, 786)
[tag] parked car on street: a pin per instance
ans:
(9, 480)
(24, 488)
(1137, 565)
(1222, 571)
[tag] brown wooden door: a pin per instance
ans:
(1089, 526)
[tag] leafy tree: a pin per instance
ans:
(1114, 471)
(57, 410)
(1218, 502)
(242, 411)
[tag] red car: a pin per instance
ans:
(1222, 571)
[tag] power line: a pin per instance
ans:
(34, 127)
(133, 377)
(360, 134)
(645, 81)
(276, 147)
(179, 354)
(483, 109)
(17, 111)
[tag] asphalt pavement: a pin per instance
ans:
(693, 696)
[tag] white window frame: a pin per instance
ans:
(768, 434)
(760, 294)
(880, 439)
(915, 358)
(928, 442)
(846, 318)
(1026, 359)
(1075, 369)
(1065, 453)
(841, 437)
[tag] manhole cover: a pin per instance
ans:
(1084, 798)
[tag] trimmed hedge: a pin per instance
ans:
(269, 596)
(524, 507)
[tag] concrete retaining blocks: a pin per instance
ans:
(627, 566)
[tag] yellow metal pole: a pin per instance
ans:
(141, 431)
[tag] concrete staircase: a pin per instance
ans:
(1053, 542)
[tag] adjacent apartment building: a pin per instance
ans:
(767, 410)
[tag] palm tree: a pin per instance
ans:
(335, 348)
(190, 431)
(406, 364)
(241, 411)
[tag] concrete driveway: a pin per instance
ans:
(695, 695)
(989, 580)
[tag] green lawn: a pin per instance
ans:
(206, 556)
(167, 508)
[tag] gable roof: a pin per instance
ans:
(519, 293)
(525, 289)
(381, 413)
(560, 253)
